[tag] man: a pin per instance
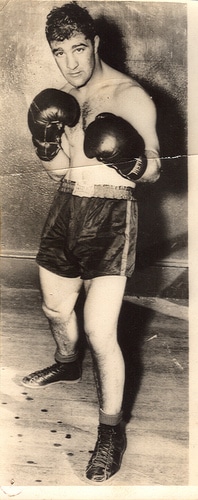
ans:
(90, 235)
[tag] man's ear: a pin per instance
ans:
(96, 43)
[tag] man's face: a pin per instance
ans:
(75, 58)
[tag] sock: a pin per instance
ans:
(60, 358)
(107, 419)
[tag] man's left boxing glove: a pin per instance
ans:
(113, 141)
(48, 114)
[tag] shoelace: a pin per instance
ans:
(45, 372)
(104, 450)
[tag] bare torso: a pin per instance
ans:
(103, 96)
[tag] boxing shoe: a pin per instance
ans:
(107, 455)
(59, 372)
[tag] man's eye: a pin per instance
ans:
(59, 54)
(80, 49)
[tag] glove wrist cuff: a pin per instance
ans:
(138, 169)
(48, 153)
(132, 170)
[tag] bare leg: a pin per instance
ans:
(102, 308)
(59, 298)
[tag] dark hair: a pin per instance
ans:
(68, 20)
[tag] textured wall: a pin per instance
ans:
(144, 39)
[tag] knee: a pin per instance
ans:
(91, 329)
(100, 340)
(97, 346)
(53, 312)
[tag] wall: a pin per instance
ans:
(147, 40)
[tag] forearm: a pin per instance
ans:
(152, 172)
(50, 112)
(57, 168)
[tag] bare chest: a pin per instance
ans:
(99, 102)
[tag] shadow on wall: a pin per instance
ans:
(153, 243)
(112, 46)
(132, 328)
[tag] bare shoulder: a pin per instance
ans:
(127, 92)
(116, 79)
(136, 106)
(131, 94)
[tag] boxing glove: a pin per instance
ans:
(48, 114)
(113, 141)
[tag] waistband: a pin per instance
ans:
(97, 190)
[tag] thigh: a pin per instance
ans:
(103, 303)
(58, 237)
(107, 243)
(58, 290)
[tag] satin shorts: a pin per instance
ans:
(90, 231)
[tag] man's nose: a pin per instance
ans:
(71, 62)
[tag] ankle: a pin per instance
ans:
(61, 358)
(110, 419)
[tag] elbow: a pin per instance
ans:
(152, 173)
(154, 177)
(153, 170)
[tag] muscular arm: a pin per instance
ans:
(48, 115)
(57, 168)
(139, 110)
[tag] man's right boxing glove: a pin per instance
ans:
(48, 114)
(113, 141)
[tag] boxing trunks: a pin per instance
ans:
(90, 231)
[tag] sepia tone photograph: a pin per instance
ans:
(94, 250)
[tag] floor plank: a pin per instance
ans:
(47, 434)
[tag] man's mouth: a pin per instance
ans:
(76, 74)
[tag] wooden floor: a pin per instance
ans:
(48, 434)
